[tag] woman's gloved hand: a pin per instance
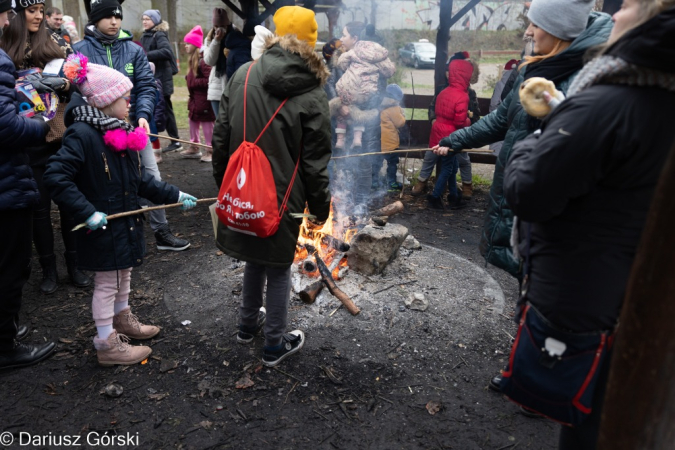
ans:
(96, 220)
(187, 200)
(56, 83)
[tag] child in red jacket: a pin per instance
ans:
(452, 106)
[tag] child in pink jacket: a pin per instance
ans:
(362, 65)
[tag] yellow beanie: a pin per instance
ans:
(298, 21)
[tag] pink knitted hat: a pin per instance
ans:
(195, 37)
(100, 85)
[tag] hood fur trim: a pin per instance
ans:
(162, 26)
(388, 102)
(292, 44)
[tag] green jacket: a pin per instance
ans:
(288, 68)
(510, 123)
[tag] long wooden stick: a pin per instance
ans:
(179, 140)
(142, 210)
(408, 150)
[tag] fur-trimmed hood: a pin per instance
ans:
(162, 26)
(388, 102)
(291, 67)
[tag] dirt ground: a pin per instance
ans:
(353, 386)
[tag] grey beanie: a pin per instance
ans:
(154, 15)
(564, 19)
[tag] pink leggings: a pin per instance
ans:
(194, 131)
(106, 294)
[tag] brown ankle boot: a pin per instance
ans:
(420, 188)
(467, 190)
(115, 350)
(192, 152)
(128, 324)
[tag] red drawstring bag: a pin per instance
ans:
(247, 201)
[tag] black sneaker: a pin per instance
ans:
(167, 241)
(435, 202)
(246, 335)
(290, 343)
(456, 202)
(172, 147)
(495, 383)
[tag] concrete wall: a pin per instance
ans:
(390, 14)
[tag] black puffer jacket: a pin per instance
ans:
(586, 183)
(86, 176)
(18, 189)
(158, 50)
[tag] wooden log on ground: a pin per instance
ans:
(310, 293)
(389, 210)
(330, 283)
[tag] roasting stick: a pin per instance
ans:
(407, 150)
(142, 210)
(179, 140)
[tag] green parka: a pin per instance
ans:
(288, 68)
(510, 123)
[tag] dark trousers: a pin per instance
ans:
(43, 233)
(278, 283)
(448, 176)
(171, 127)
(585, 436)
(15, 253)
(392, 165)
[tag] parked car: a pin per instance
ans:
(418, 54)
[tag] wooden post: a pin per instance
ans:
(639, 409)
(442, 40)
(72, 8)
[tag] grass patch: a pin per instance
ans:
(179, 78)
(181, 112)
(420, 114)
(477, 180)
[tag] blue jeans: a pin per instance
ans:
(392, 165)
(216, 106)
(448, 175)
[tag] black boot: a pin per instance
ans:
(25, 354)
(49, 276)
(77, 277)
(167, 241)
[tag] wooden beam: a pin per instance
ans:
(234, 9)
(462, 12)
(639, 409)
(442, 39)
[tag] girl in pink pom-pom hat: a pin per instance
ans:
(98, 172)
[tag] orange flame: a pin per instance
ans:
(314, 236)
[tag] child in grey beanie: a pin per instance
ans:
(564, 19)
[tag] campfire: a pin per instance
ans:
(322, 253)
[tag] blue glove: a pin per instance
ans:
(96, 221)
(187, 200)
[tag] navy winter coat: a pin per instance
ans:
(160, 108)
(127, 58)
(240, 51)
(18, 189)
(86, 176)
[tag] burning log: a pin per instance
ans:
(310, 293)
(335, 243)
(389, 210)
(327, 278)
(308, 266)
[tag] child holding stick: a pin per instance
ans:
(98, 172)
